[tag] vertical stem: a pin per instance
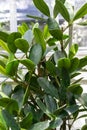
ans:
(63, 127)
(71, 35)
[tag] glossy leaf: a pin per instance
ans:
(54, 29)
(28, 36)
(28, 63)
(22, 44)
(42, 6)
(11, 67)
(73, 50)
(62, 10)
(10, 120)
(6, 88)
(11, 39)
(64, 63)
(4, 46)
(83, 99)
(40, 38)
(27, 121)
(40, 126)
(57, 55)
(36, 53)
(48, 87)
(72, 109)
(81, 12)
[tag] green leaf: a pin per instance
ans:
(28, 63)
(84, 127)
(48, 87)
(23, 28)
(35, 17)
(74, 64)
(64, 63)
(73, 50)
(74, 87)
(22, 44)
(4, 36)
(11, 67)
(81, 12)
(40, 38)
(72, 109)
(43, 107)
(11, 39)
(51, 67)
(62, 10)
(56, 11)
(27, 121)
(6, 88)
(28, 36)
(3, 125)
(15, 96)
(84, 23)
(2, 70)
(46, 32)
(83, 99)
(40, 126)
(50, 103)
(83, 62)
(42, 6)
(10, 121)
(36, 53)
(54, 29)
(4, 45)
(9, 104)
(56, 123)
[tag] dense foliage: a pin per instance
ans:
(44, 94)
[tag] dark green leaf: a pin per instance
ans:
(56, 123)
(83, 62)
(11, 39)
(84, 23)
(62, 10)
(35, 17)
(28, 63)
(11, 67)
(22, 44)
(51, 68)
(84, 127)
(56, 11)
(72, 109)
(54, 29)
(64, 63)
(50, 103)
(3, 125)
(73, 50)
(81, 12)
(42, 6)
(4, 36)
(40, 38)
(10, 120)
(9, 104)
(18, 91)
(74, 64)
(40, 126)
(27, 121)
(36, 53)
(48, 87)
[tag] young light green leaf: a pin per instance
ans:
(2, 70)
(23, 28)
(10, 121)
(64, 63)
(62, 10)
(81, 12)
(40, 38)
(22, 44)
(42, 6)
(36, 53)
(4, 46)
(73, 50)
